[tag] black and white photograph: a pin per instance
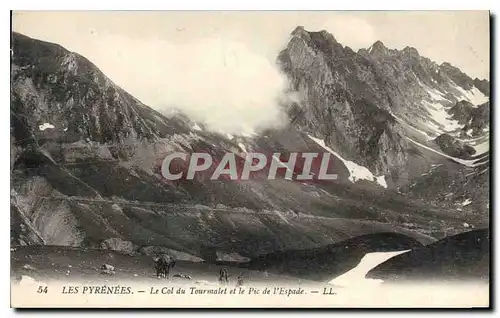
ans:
(250, 159)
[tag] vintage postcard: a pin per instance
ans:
(250, 159)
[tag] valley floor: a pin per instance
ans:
(49, 263)
(67, 272)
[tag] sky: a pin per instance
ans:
(219, 67)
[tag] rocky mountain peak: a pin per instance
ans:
(363, 103)
(483, 85)
(318, 41)
(378, 48)
(411, 51)
(457, 76)
(65, 91)
(299, 31)
(327, 35)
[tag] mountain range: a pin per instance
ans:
(408, 138)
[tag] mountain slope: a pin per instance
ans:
(371, 104)
(459, 257)
(86, 159)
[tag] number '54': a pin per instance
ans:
(42, 289)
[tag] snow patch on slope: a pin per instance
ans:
(482, 148)
(44, 126)
(197, 127)
(356, 277)
(441, 116)
(356, 172)
(473, 95)
(466, 202)
(435, 94)
(381, 180)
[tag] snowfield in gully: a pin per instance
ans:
(301, 166)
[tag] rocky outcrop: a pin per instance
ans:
(479, 121)
(231, 257)
(119, 245)
(457, 76)
(462, 111)
(22, 232)
(483, 85)
(474, 118)
(50, 220)
(177, 255)
(107, 269)
(453, 147)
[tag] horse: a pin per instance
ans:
(163, 264)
